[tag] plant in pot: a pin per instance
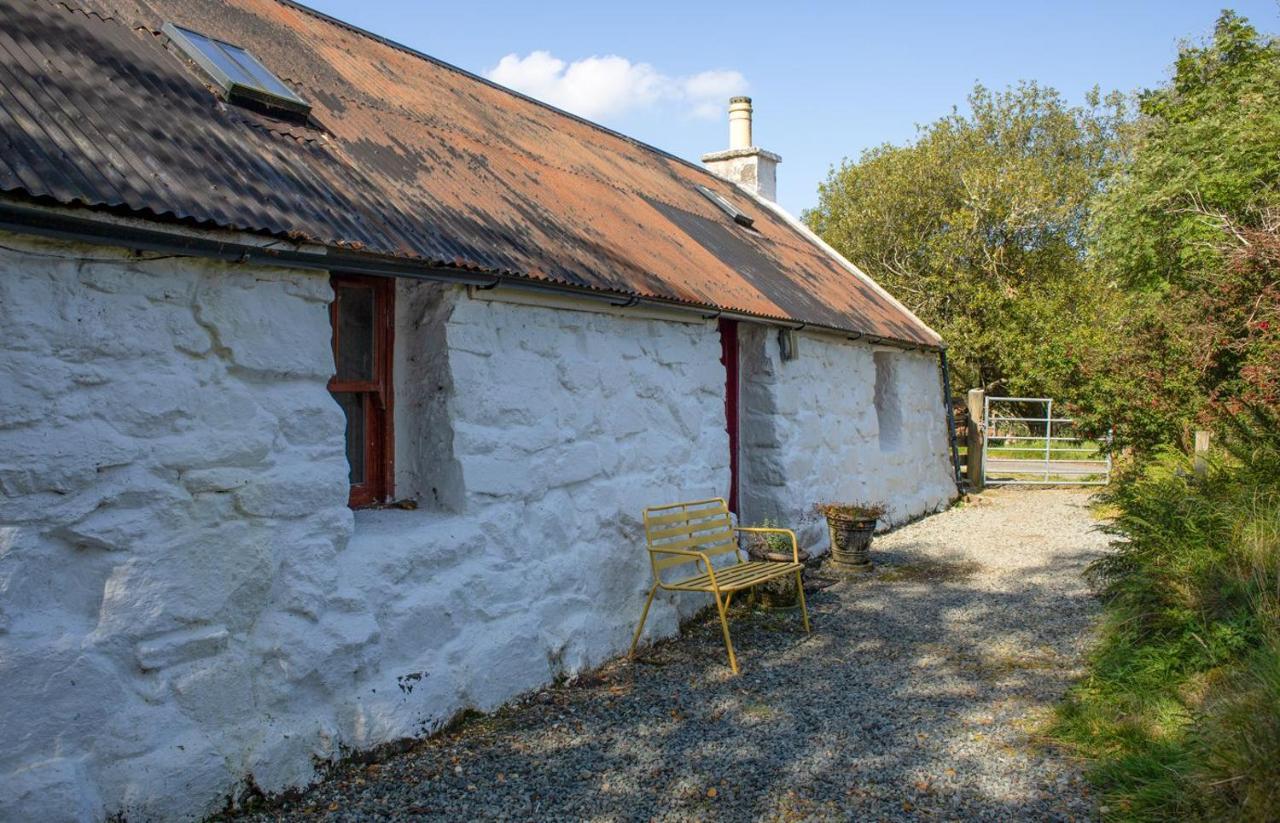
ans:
(780, 593)
(852, 526)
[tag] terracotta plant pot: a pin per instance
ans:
(851, 542)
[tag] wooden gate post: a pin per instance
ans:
(1202, 450)
(976, 440)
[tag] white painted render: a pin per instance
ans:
(811, 431)
(186, 602)
(754, 169)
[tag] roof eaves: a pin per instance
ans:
(173, 235)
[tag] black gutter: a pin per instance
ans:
(89, 227)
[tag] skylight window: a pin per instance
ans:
(237, 71)
(728, 208)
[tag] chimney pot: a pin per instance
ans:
(740, 123)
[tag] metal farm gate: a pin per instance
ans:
(1026, 445)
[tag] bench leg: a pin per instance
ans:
(724, 626)
(804, 610)
(644, 615)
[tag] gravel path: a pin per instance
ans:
(916, 697)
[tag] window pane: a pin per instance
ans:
(230, 54)
(353, 405)
(236, 70)
(255, 72)
(355, 334)
(211, 50)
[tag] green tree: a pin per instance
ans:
(979, 226)
(1208, 150)
(1191, 229)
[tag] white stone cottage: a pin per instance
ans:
(250, 306)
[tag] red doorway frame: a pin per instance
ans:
(729, 358)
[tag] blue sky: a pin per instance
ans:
(828, 80)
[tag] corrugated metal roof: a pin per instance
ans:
(405, 156)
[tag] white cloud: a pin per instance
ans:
(600, 87)
(709, 91)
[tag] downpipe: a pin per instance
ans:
(951, 416)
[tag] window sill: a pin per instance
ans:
(395, 520)
(432, 539)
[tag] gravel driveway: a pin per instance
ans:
(916, 696)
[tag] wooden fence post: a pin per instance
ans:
(976, 439)
(1202, 451)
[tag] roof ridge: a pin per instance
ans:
(386, 41)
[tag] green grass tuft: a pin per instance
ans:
(1180, 712)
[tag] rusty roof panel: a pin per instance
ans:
(403, 156)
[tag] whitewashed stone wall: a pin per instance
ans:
(564, 426)
(172, 485)
(186, 603)
(811, 431)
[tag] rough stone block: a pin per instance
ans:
(307, 577)
(263, 328)
(294, 490)
(513, 662)
(188, 775)
(56, 700)
(61, 457)
(287, 754)
(496, 476)
(219, 479)
(216, 693)
(181, 647)
(51, 791)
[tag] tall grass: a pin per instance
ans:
(1180, 713)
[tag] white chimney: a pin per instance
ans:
(739, 122)
(750, 167)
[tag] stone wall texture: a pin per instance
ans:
(172, 490)
(188, 607)
(812, 431)
(186, 603)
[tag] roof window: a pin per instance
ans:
(242, 77)
(725, 206)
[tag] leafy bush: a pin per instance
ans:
(1190, 230)
(770, 542)
(1180, 713)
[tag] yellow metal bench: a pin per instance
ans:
(694, 532)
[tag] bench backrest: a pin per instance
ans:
(696, 526)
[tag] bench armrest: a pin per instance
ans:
(795, 547)
(659, 550)
(697, 557)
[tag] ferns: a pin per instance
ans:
(1181, 710)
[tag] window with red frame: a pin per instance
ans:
(363, 319)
